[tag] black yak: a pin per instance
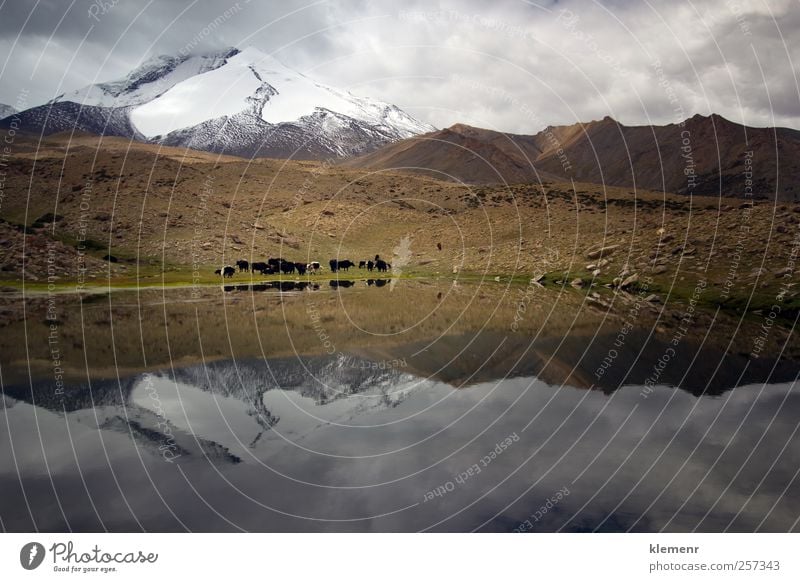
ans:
(262, 268)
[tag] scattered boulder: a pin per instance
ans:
(285, 239)
(632, 280)
(577, 282)
(601, 252)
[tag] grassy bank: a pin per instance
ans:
(767, 297)
(756, 300)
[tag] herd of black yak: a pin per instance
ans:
(282, 266)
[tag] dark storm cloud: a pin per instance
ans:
(511, 65)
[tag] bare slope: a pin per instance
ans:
(461, 153)
(702, 156)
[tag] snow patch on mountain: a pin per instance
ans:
(6, 110)
(219, 93)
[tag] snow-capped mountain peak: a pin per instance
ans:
(240, 102)
(257, 83)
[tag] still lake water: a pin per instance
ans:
(398, 407)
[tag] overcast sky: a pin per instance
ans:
(512, 65)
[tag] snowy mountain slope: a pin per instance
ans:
(148, 81)
(6, 110)
(104, 109)
(238, 102)
(320, 135)
(253, 82)
(267, 109)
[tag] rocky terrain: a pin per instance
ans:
(43, 258)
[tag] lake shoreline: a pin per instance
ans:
(657, 290)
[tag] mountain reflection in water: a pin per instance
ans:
(415, 408)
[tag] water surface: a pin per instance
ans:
(396, 407)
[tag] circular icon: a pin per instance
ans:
(31, 555)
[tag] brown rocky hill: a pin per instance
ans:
(462, 153)
(707, 156)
